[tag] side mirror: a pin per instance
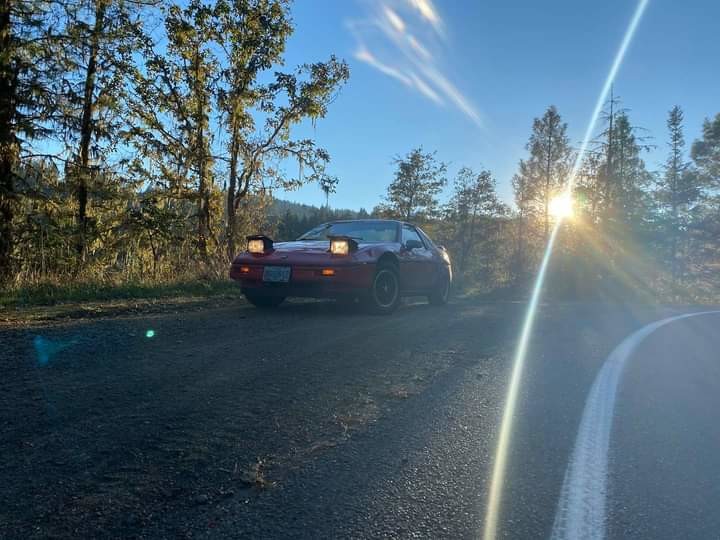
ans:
(413, 244)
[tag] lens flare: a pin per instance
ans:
(498, 474)
(46, 349)
(561, 206)
(150, 333)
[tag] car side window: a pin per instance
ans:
(409, 233)
(426, 239)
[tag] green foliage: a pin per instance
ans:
(412, 195)
(140, 140)
(540, 177)
(678, 198)
(546, 170)
(259, 117)
(144, 111)
(299, 219)
(474, 226)
(706, 152)
(634, 235)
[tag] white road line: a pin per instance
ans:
(581, 508)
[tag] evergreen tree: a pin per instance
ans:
(621, 203)
(549, 163)
(96, 54)
(677, 194)
(540, 177)
(28, 40)
(706, 152)
(629, 178)
(523, 191)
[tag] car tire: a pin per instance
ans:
(264, 301)
(441, 293)
(384, 295)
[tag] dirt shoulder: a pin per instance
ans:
(35, 308)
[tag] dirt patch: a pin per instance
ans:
(37, 316)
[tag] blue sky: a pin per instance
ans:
(466, 78)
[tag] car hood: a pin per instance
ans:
(309, 252)
(302, 246)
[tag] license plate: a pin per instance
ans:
(276, 274)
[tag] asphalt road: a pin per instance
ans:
(316, 421)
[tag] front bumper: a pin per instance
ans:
(306, 280)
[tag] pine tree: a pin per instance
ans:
(629, 175)
(540, 177)
(8, 140)
(622, 173)
(677, 194)
(621, 203)
(549, 162)
(28, 36)
(96, 56)
(706, 152)
(523, 191)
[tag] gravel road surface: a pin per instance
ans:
(317, 421)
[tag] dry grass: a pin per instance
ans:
(49, 293)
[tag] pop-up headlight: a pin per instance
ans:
(259, 244)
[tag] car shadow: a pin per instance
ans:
(330, 308)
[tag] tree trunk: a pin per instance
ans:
(8, 142)
(675, 229)
(86, 130)
(548, 167)
(520, 256)
(201, 156)
(467, 243)
(408, 212)
(609, 173)
(232, 188)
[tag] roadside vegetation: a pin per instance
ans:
(141, 141)
(47, 293)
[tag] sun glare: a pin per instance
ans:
(561, 206)
(497, 479)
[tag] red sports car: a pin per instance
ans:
(375, 260)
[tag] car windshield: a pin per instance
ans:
(366, 231)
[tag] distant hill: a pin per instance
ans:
(294, 219)
(280, 208)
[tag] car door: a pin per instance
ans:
(438, 264)
(416, 261)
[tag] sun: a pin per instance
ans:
(561, 206)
